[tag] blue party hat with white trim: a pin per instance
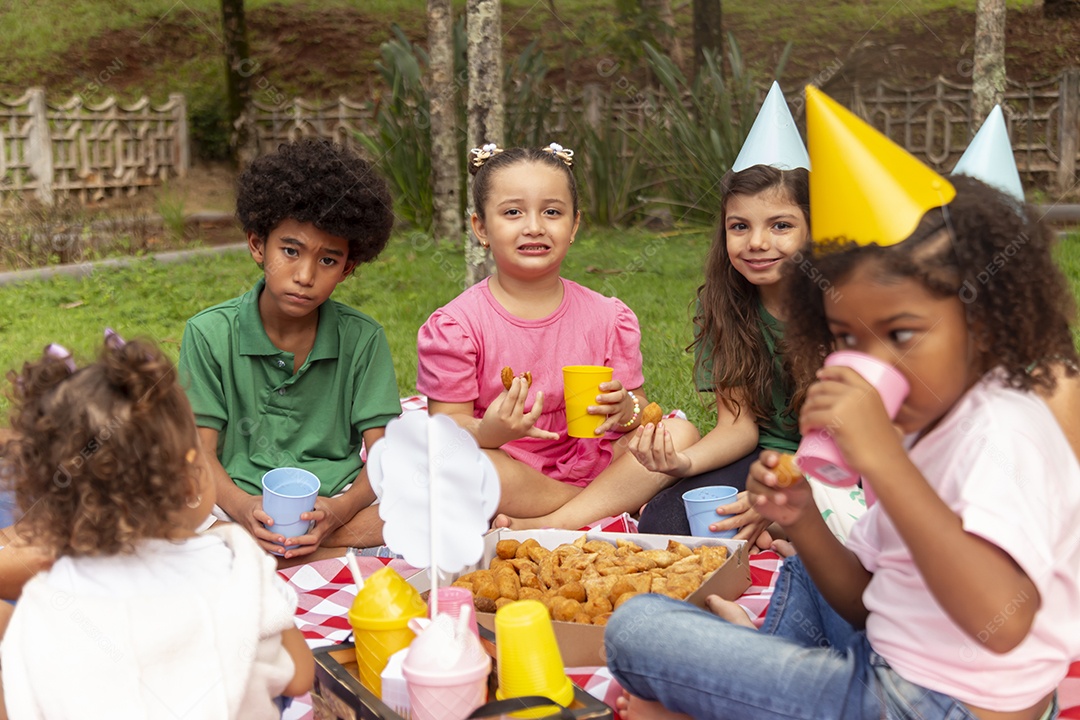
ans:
(774, 137)
(989, 157)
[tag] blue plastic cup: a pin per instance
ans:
(701, 507)
(287, 493)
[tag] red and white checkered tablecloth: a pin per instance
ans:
(326, 591)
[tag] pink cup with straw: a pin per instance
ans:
(446, 670)
(818, 455)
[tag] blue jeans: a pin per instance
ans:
(806, 662)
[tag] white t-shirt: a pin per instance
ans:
(177, 629)
(1000, 461)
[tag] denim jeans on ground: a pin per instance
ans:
(806, 662)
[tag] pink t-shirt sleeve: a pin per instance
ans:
(624, 351)
(446, 360)
(1009, 500)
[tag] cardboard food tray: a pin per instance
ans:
(338, 694)
(583, 645)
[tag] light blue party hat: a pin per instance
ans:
(774, 138)
(989, 157)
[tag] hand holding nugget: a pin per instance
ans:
(784, 505)
(506, 420)
(622, 407)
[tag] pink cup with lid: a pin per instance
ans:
(454, 601)
(818, 455)
(446, 670)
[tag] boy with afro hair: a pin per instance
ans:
(283, 376)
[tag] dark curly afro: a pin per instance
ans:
(316, 181)
(984, 249)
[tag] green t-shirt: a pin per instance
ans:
(780, 431)
(267, 417)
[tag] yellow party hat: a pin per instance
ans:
(864, 187)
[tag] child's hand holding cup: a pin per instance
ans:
(288, 493)
(581, 385)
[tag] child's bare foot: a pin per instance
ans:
(513, 523)
(631, 707)
(727, 610)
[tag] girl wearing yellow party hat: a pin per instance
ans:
(956, 595)
(739, 322)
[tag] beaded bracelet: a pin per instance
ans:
(637, 411)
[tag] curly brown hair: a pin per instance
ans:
(100, 457)
(727, 329)
(991, 253)
(320, 182)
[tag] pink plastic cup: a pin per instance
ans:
(455, 600)
(818, 455)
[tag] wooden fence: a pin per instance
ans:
(90, 151)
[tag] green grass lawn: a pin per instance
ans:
(656, 275)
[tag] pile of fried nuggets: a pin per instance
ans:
(586, 580)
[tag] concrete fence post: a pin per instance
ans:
(39, 150)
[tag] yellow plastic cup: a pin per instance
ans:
(581, 385)
(380, 617)
(528, 657)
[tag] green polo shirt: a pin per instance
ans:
(267, 417)
(779, 431)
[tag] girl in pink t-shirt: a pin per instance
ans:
(958, 593)
(528, 318)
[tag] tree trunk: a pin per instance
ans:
(708, 30)
(239, 67)
(988, 72)
(446, 167)
(486, 107)
(1061, 8)
(662, 21)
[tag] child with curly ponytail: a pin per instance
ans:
(106, 468)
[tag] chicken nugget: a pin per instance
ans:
(530, 593)
(597, 606)
(462, 584)
(681, 585)
(601, 619)
(497, 563)
(598, 546)
(564, 609)
(507, 549)
(663, 558)
(523, 563)
(484, 585)
(565, 551)
(539, 554)
(582, 619)
(573, 590)
(529, 577)
(689, 562)
(547, 572)
(712, 557)
(627, 545)
(523, 548)
(623, 598)
(678, 548)
(600, 587)
(659, 585)
(564, 576)
(578, 562)
(508, 582)
(627, 566)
